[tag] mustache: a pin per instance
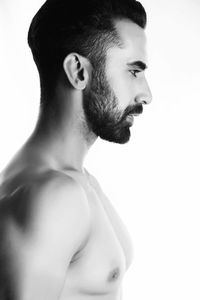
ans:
(135, 109)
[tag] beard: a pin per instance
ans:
(102, 113)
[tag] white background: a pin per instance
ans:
(153, 180)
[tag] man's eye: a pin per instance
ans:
(134, 72)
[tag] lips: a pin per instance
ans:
(130, 117)
(132, 112)
(136, 111)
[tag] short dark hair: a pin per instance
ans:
(85, 27)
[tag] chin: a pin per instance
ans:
(118, 137)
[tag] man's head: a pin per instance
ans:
(107, 33)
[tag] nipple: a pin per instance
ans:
(114, 275)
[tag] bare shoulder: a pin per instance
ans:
(58, 189)
(48, 192)
(60, 197)
(47, 221)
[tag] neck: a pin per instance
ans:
(62, 138)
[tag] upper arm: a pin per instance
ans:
(59, 224)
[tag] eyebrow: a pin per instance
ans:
(138, 64)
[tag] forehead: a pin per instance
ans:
(133, 43)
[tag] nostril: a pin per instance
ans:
(147, 100)
(144, 102)
(144, 98)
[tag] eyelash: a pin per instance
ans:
(134, 72)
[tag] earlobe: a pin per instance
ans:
(75, 70)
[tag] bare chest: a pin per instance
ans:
(99, 267)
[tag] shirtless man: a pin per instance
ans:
(61, 238)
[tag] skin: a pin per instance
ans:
(115, 95)
(51, 207)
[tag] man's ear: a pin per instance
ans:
(77, 68)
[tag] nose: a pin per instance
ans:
(145, 95)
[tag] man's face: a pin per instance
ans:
(119, 89)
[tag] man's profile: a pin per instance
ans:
(61, 237)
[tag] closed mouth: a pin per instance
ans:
(135, 111)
